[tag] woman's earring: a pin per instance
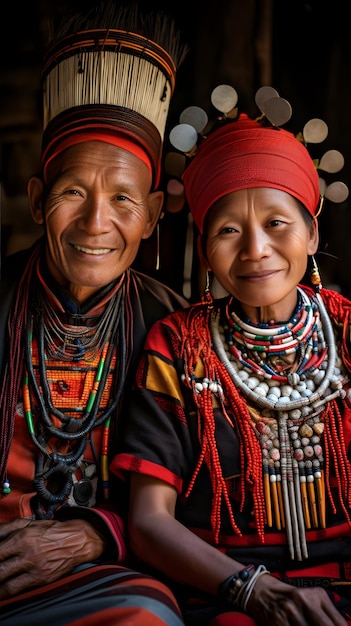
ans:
(207, 296)
(315, 275)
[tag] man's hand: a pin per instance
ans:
(34, 553)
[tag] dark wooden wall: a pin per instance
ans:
(300, 48)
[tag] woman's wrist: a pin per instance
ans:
(236, 590)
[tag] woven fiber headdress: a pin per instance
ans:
(235, 152)
(110, 74)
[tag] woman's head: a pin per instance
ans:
(256, 242)
(246, 155)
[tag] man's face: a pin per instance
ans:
(97, 210)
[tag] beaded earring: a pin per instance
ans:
(207, 297)
(315, 275)
(6, 486)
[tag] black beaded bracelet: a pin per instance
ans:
(229, 589)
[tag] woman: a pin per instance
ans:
(240, 473)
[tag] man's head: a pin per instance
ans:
(108, 79)
(96, 207)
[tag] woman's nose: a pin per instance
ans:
(254, 244)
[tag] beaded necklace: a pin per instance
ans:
(75, 424)
(289, 427)
(82, 338)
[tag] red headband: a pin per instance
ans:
(244, 154)
(115, 140)
(120, 127)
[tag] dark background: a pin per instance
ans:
(300, 48)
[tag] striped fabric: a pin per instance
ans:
(102, 595)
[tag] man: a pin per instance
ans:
(74, 316)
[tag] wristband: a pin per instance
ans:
(229, 590)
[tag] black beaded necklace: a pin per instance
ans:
(76, 430)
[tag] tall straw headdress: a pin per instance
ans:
(111, 73)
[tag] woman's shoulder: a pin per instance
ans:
(181, 326)
(337, 305)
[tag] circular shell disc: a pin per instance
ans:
(175, 198)
(332, 161)
(183, 137)
(175, 187)
(315, 131)
(263, 94)
(175, 163)
(337, 192)
(195, 116)
(224, 98)
(322, 186)
(278, 111)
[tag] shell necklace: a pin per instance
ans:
(291, 398)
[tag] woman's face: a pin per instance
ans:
(257, 244)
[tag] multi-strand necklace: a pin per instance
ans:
(288, 373)
(73, 352)
(81, 337)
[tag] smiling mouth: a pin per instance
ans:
(258, 276)
(95, 251)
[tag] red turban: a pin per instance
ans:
(91, 123)
(244, 154)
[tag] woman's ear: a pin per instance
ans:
(216, 289)
(201, 254)
(314, 238)
(35, 191)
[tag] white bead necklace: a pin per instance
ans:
(265, 393)
(290, 429)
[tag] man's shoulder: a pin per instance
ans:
(150, 301)
(13, 265)
(152, 290)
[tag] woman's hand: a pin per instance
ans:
(275, 602)
(34, 553)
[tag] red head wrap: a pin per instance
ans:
(244, 154)
(120, 128)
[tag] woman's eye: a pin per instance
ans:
(228, 229)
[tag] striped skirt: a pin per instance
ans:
(101, 594)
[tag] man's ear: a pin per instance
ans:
(155, 204)
(35, 191)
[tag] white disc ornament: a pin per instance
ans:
(224, 98)
(315, 131)
(183, 137)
